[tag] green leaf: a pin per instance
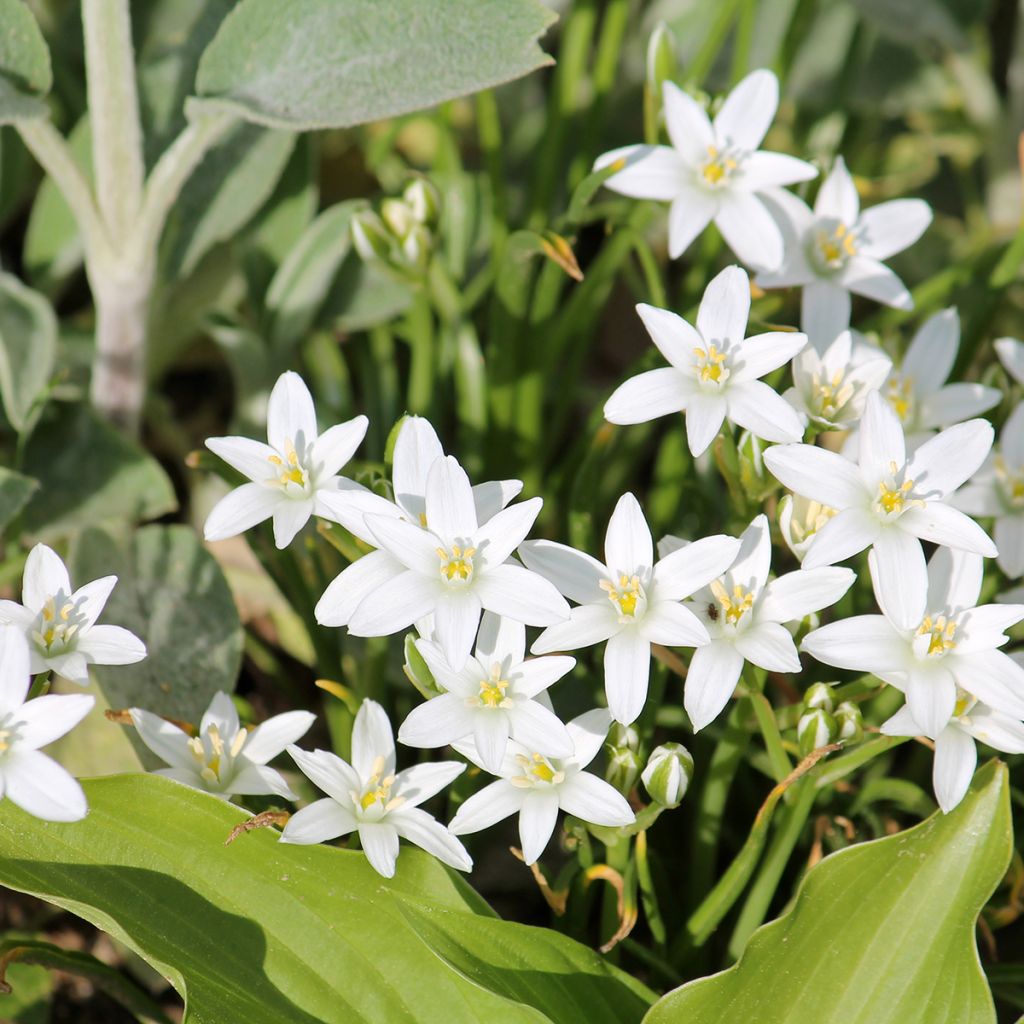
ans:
(257, 931)
(881, 933)
(172, 594)
(25, 73)
(89, 473)
(15, 491)
(28, 348)
(537, 966)
(363, 296)
(305, 64)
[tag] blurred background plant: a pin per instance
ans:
(465, 265)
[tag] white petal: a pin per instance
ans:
(271, 737)
(1009, 538)
(824, 312)
(950, 458)
(891, 227)
(900, 577)
(649, 172)
(817, 473)
(345, 592)
(627, 665)
(901, 724)
(221, 714)
(45, 575)
(748, 229)
(380, 843)
(944, 525)
(978, 499)
(539, 729)
(710, 681)
(1011, 438)
(290, 413)
(628, 545)
(251, 458)
(92, 598)
(748, 110)
(866, 276)
(438, 722)
(687, 123)
(673, 336)
(492, 496)
(754, 406)
(954, 579)
(536, 675)
(994, 678)
(490, 733)
(588, 732)
(344, 501)
(770, 646)
(42, 787)
(881, 440)
(769, 170)
(762, 353)
(798, 594)
(372, 738)
(837, 196)
(500, 638)
(47, 718)
(111, 645)
(953, 768)
(575, 574)
(416, 448)
(14, 668)
(592, 799)
(451, 511)
(395, 605)
(984, 627)
(320, 822)
(258, 780)
(328, 772)
(932, 351)
(71, 666)
(420, 828)
(290, 516)
(537, 821)
(588, 624)
(932, 697)
(521, 595)
(1011, 355)
(995, 729)
(725, 307)
(334, 447)
(456, 618)
(241, 509)
(492, 804)
(684, 571)
(672, 624)
(496, 539)
(167, 741)
(865, 643)
(754, 558)
(704, 417)
(422, 781)
(647, 396)
(690, 213)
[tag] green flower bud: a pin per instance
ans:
(623, 736)
(850, 721)
(416, 246)
(416, 670)
(661, 57)
(424, 201)
(819, 695)
(668, 773)
(398, 216)
(816, 728)
(623, 769)
(371, 237)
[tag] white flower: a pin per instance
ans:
(887, 501)
(417, 448)
(30, 779)
(953, 644)
(955, 754)
(631, 601)
(492, 697)
(997, 489)
(294, 476)
(535, 786)
(1011, 355)
(799, 520)
(370, 798)
(60, 623)
(714, 370)
(713, 171)
(454, 567)
(224, 759)
(837, 249)
(831, 388)
(743, 614)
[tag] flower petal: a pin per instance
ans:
(704, 417)
(754, 406)
(44, 576)
(335, 446)
(167, 741)
(259, 780)
(438, 722)
(40, 786)
(995, 730)
(500, 638)
(593, 800)
(416, 449)
(684, 571)
(44, 719)
(492, 496)
(628, 545)
(251, 458)
(240, 510)
(627, 666)
(944, 525)
(769, 646)
(490, 734)
(290, 413)
(536, 675)
(588, 732)
(932, 351)
(674, 337)
(954, 579)
(492, 804)
(953, 768)
(290, 516)
(1011, 355)
(824, 312)
(690, 213)
(889, 228)
(866, 276)
(221, 714)
(818, 474)
(672, 624)
(456, 618)
(422, 781)
(574, 573)
(746, 115)
(798, 594)
(111, 645)
(725, 307)
(950, 458)
(319, 822)
(522, 595)
(380, 843)
(496, 539)
(992, 677)
(539, 729)
(395, 605)
(865, 643)
(771, 170)
(14, 668)
(837, 196)
(1009, 538)
(957, 402)
(688, 124)
(762, 353)
(648, 172)
(749, 230)
(420, 828)
(588, 624)
(347, 590)
(537, 819)
(451, 511)
(710, 681)
(881, 441)
(900, 577)
(372, 738)
(931, 695)
(271, 737)
(328, 772)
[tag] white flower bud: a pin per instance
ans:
(816, 728)
(623, 769)
(819, 695)
(370, 236)
(423, 200)
(849, 721)
(668, 773)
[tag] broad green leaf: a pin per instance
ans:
(171, 593)
(363, 296)
(880, 933)
(306, 64)
(566, 980)
(28, 347)
(15, 491)
(88, 473)
(300, 286)
(257, 932)
(25, 72)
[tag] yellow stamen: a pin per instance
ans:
(901, 396)
(1011, 481)
(831, 394)
(940, 631)
(719, 166)
(838, 246)
(492, 689)
(735, 605)
(711, 364)
(625, 595)
(456, 564)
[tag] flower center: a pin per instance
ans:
(537, 771)
(734, 605)
(1011, 482)
(835, 244)
(940, 632)
(456, 564)
(894, 495)
(377, 792)
(291, 476)
(210, 751)
(492, 690)
(627, 596)
(964, 703)
(814, 518)
(900, 393)
(720, 166)
(830, 394)
(56, 625)
(712, 367)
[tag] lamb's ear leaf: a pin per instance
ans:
(25, 73)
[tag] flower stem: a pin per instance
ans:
(766, 721)
(40, 685)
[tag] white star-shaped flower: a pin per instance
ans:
(60, 623)
(632, 601)
(714, 370)
(417, 448)
(494, 696)
(714, 171)
(223, 759)
(28, 778)
(838, 249)
(953, 644)
(997, 490)
(743, 613)
(889, 502)
(535, 786)
(293, 477)
(369, 797)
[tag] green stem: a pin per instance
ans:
(766, 721)
(648, 892)
(420, 326)
(40, 685)
(488, 125)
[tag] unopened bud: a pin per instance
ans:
(416, 246)
(398, 216)
(623, 736)
(661, 57)
(623, 769)
(370, 236)
(820, 695)
(849, 721)
(417, 671)
(816, 728)
(423, 200)
(668, 773)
